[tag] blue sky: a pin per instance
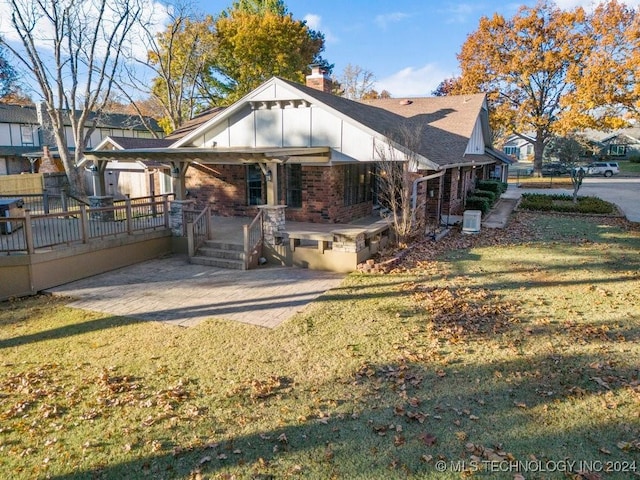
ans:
(409, 45)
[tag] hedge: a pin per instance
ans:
(478, 203)
(493, 186)
(564, 204)
(486, 194)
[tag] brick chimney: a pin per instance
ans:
(47, 163)
(319, 79)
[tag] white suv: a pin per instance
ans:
(603, 168)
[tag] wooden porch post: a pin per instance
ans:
(178, 174)
(272, 184)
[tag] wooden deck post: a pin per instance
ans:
(28, 231)
(84, 223)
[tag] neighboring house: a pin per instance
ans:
(300, 146)
(621, 144)
(24, 133)
(138, 178)
(519, 147)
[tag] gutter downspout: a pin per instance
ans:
(414, 190)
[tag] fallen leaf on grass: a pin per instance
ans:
(428, 439)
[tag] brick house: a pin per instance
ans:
(317, 153)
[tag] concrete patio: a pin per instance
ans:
(174, 291)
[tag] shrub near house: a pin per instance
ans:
(485, 195)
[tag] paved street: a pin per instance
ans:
(174, 291)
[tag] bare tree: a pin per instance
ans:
(356, 82)
(397, 159)
(73, 50)
(181, 59)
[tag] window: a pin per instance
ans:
(514, 151)
(294, 186)
(357, 184)
(254, 185)
(27, 135)
(617, 150)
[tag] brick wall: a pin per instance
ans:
(323, 198)
(224, 187)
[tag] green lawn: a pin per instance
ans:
(627, 167)
(503, 347)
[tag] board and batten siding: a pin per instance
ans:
(289, 126)
(476, 143)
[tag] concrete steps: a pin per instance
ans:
(220, 254)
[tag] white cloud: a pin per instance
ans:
(460, 13)
(413, 82)
(384, 20)
(315, 23)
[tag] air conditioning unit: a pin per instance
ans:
(471, 221)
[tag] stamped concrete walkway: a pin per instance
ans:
(174, 291)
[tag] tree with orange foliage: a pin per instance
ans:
(607, 92)
(541, 69)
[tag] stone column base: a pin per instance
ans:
(176, 216)
(101, 202)
(273, 222)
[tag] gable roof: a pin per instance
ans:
(447, 123)
(128, 143)
(194, 123)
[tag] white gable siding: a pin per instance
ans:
(242, 129)
(296, 127)
(476, 142)
(326, 129)
(218, 136)
(357, 144)
(268, 127)
(279, 116)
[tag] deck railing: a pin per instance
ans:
(45, 202)
(199, 230)
(253, 239)
(36, 231)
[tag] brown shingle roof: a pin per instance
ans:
(194, 123)
(446, 122)
(128, 143)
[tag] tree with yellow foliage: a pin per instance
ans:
(545, 69)
(258, 39)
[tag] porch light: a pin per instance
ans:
(268, 175)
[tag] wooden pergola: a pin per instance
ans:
(179, 160)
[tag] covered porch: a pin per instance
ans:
(265, 237)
